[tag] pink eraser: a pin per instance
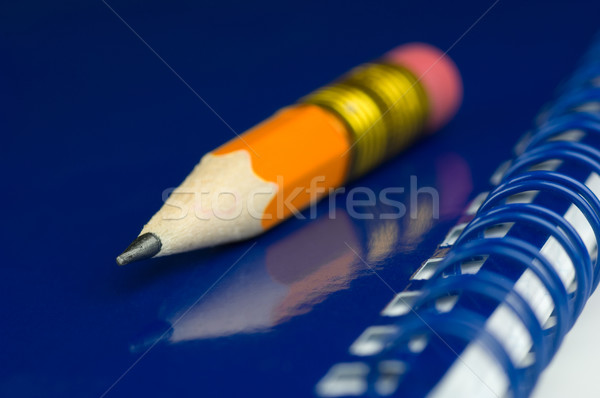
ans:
(439, 76)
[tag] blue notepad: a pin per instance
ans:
(484, 315)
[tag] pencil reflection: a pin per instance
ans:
(415, 228)
(454, 183)
(295, 273)
(313, 263)
(292, 276)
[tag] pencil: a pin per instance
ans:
(305, 151)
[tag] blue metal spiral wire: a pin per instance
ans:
(570, 111)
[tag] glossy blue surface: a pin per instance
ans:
(95, 127)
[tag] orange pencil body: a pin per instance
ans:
(297, 146)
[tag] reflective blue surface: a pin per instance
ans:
(95, 127)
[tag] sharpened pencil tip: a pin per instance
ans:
(145, 246)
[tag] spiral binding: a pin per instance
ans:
(576, 108)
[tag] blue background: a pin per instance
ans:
(95, 127)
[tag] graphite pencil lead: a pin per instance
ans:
(145, 246)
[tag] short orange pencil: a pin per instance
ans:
(304, 151)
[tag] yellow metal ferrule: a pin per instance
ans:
(384, 107)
